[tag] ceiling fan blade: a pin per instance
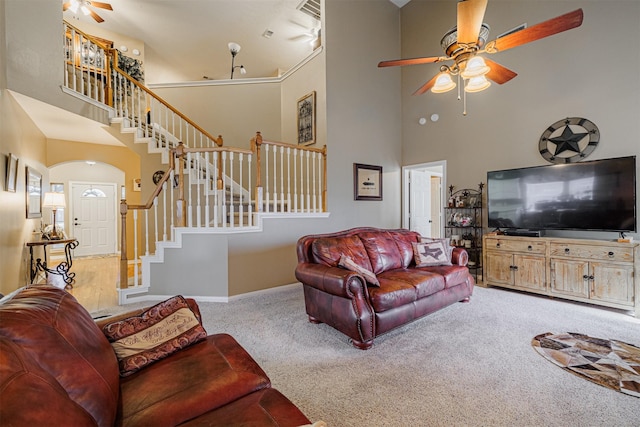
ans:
(428, 85)
(499, 73)
(544, 29)
(96, 16)
(101, 5)
(66, 6)
(470, 16)
(411, 61)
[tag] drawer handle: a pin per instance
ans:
(513, 267)
(567, 250)
(530, 247)
(585, 277)
(497, 245)
(611, 254)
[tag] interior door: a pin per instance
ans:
(420, 202)
(93, 218)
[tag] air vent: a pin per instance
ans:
(513, 30)
(311, 8)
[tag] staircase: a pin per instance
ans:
(206, 187)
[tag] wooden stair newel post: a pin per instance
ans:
(181, 208)
(255, 147)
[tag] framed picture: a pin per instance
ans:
(307, 119)
(12, 173)
(367, 182)
(33, 193)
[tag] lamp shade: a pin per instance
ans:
(443, 83)
(53, 200)
(475, 67)
(477, 84)
(234, 48)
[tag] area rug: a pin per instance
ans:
(611, 363)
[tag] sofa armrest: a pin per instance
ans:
(332, 280)
(459, 256)
(102, 321)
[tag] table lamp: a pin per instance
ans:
(54, 201)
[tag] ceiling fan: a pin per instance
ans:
(464, 43)
(84, 6)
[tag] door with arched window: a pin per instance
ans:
(93, 218)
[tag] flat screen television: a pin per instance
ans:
(597, 195)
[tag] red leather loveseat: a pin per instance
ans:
(353, 303)
(57, 368)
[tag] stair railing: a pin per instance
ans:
(295, 177)
(92, 71)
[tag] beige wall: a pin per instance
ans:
(577, 73)
(18, 136)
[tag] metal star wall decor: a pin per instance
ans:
(569, 140)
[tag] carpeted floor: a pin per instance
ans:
(466, 365)
(610, 363)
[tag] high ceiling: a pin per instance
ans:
(188, 39)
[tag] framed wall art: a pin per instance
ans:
(307, 119)
(33, 193)
(367, 182)
(12, 173)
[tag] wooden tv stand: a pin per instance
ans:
(592, 271)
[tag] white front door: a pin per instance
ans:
(93, 218)
(420, 202)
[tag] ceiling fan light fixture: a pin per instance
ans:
(443, 84)
(75, 5)
(477, 84)
(475, 67)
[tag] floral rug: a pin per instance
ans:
(610, 363)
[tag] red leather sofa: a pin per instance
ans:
(344, 300)
(57, 368)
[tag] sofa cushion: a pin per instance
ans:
(404, 240)
(267, 407)
(62, 338)
(453, 275)
(154, 334)
(432, 253)
(328, 250)
(404, 286)
(349, 264)
(192, 382)
(382, 251)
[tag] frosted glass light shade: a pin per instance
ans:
(477, 84)
(443, 83)
(475, 67)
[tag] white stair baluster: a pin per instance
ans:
(136, 256)
(275, 179)
(215, 189)
(295, 180)
(199, 187)
(266, 179)
(224, 189)
(313, 176)
(146, 231)
(207, 190)
(240, 206)
(232, 219)
(187, 177)
(281, 179)
(164, 211)
(308, 181)
(249, 186)
(155, 221)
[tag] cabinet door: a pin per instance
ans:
(612, 283)
(570, 277)
(499, 268)
(530, 272)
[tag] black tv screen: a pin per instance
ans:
(597, 195)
